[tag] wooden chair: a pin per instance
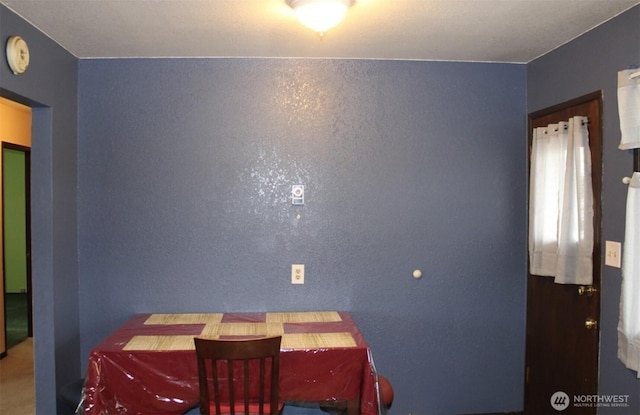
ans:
(239, 376)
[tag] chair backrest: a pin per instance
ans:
(239, 376)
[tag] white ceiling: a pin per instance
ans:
(451, 30)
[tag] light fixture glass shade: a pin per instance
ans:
(320, 15)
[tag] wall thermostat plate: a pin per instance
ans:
(297, 194)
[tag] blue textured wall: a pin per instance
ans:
(50, 87)
(591, 63)
(185, 166)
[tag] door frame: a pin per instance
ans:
(595, 145)
(27, 184)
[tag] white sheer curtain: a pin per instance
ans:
(629, 108)
(561, 203)
(629, 323)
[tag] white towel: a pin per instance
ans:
(629, 324)
(629, 109)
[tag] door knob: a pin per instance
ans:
(590, 324)
(589, 290)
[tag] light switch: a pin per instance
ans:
(297, 273)
(613, 252)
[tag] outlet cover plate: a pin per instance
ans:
(297, 273)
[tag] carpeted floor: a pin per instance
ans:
(16, 315)
(17, 394)
(16, 369)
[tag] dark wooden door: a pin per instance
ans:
(561, 350)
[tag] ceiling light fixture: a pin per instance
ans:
(320, 15)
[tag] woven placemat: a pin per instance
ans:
(160, 343)
(189, 318)
(304, 317)
(242, 329)
(299, 341)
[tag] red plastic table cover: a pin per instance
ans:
(148, 366)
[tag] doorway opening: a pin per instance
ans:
(16, 244)
(15, 264)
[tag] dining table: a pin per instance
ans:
(148, 365)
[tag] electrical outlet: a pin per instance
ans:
(613, 254)
(297, 273)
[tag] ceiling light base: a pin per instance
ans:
(320, 15)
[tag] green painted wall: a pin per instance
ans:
(15, 220)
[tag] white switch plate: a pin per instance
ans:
(297, 273)
(613, 254)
